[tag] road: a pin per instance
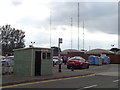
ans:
(105, 76)
(97, 81)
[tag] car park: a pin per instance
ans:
(77, 62)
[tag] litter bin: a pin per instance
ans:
(91, 60)
(33, 61)
(105, 59)
(98, 61)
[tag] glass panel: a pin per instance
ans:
(44, 55)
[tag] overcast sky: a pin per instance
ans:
(33, 17)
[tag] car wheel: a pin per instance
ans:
(87, 66)
(68, 67)
(82, 67)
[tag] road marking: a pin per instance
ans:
(90, 86)
(30, 83)
(116, 80)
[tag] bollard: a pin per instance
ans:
(72, 68)
(59, 67)
(53, 63)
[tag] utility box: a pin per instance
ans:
(105, 59)
(33, 61)
(91, 60)
(94, 60)
(98, 61)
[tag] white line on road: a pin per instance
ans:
(90, 86)
(116, 80)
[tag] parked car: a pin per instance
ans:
(10, 57)
(3, 66)
(2, 57)
(56, 60)
(77, 62)
(10, 60)
(6, 64)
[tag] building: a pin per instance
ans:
(99, 51)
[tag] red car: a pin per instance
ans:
(77, 62)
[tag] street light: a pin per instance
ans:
(112, 45)
(32, 55)
(59, 41)
(32, 43)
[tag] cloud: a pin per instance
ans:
(108, 25)
(100, 16)
(97, 16)
(17, 2)
(33, 17)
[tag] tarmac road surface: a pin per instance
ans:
(97, 81)
(105, 76)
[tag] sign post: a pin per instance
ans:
(59, 42)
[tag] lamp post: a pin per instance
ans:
(59, 41)
(112, 45)
(32, 43)
(78, 26)
(50, 27)
(32, 57)
(71, 33)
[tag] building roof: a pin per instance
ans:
(69, 50)
(118, 53)
(99, 51)
(32, 48)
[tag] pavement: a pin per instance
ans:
(13, 79)
(108, 73)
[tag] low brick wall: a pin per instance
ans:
(114, 59)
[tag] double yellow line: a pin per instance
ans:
(30, 83)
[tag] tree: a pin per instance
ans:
(11, 38)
